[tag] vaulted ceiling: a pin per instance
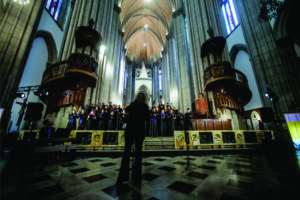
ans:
(145, 24)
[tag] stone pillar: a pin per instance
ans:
(133, 80)
(154, 84)
(165, 78)
(181, 53)
(268, 61)
(104, 24)
(290, 68)
(105, 15)
(201, 16)
(125, 87)
(172, 72)
(116, 41)
(18, 25)
(156, 80)
(130, 82)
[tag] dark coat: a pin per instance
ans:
(138, 120)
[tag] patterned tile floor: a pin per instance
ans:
(220, 177)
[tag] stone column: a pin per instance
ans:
(18, 25)
(156, 80)
(201, 16)
(290, 68)
(181, 53)
(269, 63)
(133, 80)
(104, 26)
(165, 78)
(116, 41)
(169, 55)
(154, 84)
(130, 82)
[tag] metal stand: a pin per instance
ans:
(189, 165)
(132, 152)
(161, 132)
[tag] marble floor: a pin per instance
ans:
(210, 176)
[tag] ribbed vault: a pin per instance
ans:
(145, 24)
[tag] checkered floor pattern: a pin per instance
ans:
(220, 177)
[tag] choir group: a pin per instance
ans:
(163, 119)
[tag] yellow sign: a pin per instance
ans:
(293, 123)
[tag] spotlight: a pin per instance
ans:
(20, 95)
(269, 94)
(41, 93)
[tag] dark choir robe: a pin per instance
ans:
(158, 119)
(180, 121)
(168, 124)
(116, 120)
(153, 125)
(82, 121)
(72, 121)
(164, 124)
(97, 115)
(173, 123)
(47, 132)
(100, 117)
(106, 119)
(161, 107)
(91, 122)
(188, 122)
(111, 122)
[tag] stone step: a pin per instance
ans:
(159, 143)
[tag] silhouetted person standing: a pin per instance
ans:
(47, 132)
(188, 123)
(137, 126)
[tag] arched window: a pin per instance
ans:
(53, 6)
(229, 14)
(160, 79)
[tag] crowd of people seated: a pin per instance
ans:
(163, 119)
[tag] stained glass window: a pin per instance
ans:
(229, 14)
(160, 79)
(53, 6)
(126, 79)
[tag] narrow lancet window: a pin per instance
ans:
(53, 7)
(229, 14)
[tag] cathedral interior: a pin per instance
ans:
(69, 69)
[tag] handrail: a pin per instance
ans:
(222, 69)
(83, 62)
(78, 61)
(54, 70)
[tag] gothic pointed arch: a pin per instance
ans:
(51, 46)
(288, 17)
(235, 50)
